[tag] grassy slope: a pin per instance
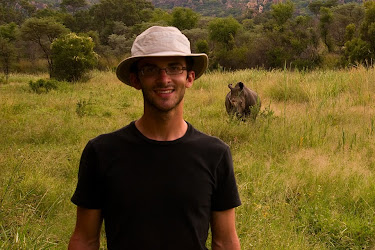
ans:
(305, 168)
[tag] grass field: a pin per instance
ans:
(305, 169)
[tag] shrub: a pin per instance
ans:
(43, 86)
(82, 108)
(72, 57)
(357, 51)
(3, 80)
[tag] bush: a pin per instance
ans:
(357, 51)
(3, 80)
(43, 86)
(72, 57)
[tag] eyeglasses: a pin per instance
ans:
(154, 70)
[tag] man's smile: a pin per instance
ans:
(164, 91)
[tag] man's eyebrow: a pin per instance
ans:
(148, 65)
(175, 64)
(154, 65)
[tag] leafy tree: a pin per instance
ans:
(15, 11)
(73, 5)
(357, 51)
(196, 35)
(248, 24)
(223, 31)
(304, 42)
(349, 32)
(162, 16)
(342, 16)
(7, 55)
(184, 18)
(83, 21)
(67, 19)
(367, 29)
(73, 56)
(129, 12)
(315, 6)
(326, 18)
(42, 31)
(9, 31)
(202, 46)
(282, 12)
(119, 44)
(8, 36)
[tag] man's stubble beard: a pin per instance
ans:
(150, 101)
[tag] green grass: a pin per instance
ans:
(305, 167)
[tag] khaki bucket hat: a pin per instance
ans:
(161, 41)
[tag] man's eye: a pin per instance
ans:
(149, 69)
(174, 68)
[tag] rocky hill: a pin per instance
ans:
(236, 7)
(217, 8)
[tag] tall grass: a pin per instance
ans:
(305, 167)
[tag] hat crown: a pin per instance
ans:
(159, 40)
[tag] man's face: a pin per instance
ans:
(161, 90)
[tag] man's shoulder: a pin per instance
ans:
(206, 139)
(119, 134)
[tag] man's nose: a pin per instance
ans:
(163, 73)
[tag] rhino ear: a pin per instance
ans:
(230, 86)
(241, 85)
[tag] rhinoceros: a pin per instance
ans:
(242, 102)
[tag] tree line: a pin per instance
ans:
(84, 37)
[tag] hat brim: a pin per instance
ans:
(200, 63)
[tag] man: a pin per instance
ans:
(158, 183)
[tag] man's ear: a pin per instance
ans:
(190, 79)
(134, 81)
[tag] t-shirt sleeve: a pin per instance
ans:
(226, 194)
(88, 191)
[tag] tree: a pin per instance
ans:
(202, 46)
(129, 12)
(349, 32)
(9, 31)
(83, 21)
(15, 11)
(73, 56)
(326, 17)
(282, 12)
(8, 36)
(161, 16)
(7, 55)
(195, 35)
(184, 18)
(223, 31)
(73, 5)
(315, 6)
(357, 51)
(367, 29)
(342, 16)
(42, 32)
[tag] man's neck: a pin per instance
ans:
(161, 128)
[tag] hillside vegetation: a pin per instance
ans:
(305, 167)
(331, 36)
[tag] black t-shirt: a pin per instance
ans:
(156, 194)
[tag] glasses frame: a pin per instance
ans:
(166, 69)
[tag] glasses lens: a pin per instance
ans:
(153, 70)
(149, 70)
(174, 70)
